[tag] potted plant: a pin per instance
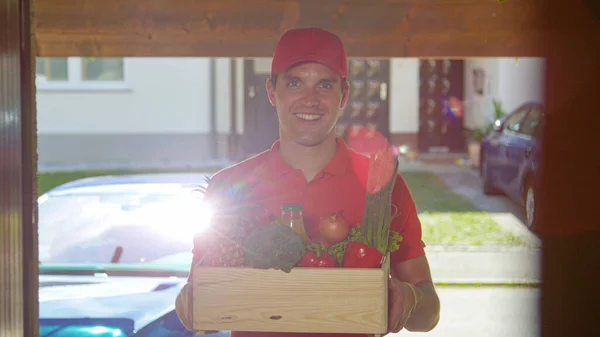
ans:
(499, 113)
(475, 135)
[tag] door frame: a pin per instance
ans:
(19, 313)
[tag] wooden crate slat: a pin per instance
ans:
(326, 300)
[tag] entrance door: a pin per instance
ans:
(261, 126)
(440, 108)
(367, 109)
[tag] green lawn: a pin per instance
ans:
(432, 195)
(465, 228)
(447, 218)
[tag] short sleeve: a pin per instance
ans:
(406, 223)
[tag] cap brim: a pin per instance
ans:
(295, 61)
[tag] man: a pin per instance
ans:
(310, 165)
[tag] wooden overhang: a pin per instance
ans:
(234, 28)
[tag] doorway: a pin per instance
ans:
(441, 87)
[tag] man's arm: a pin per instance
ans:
(414, 303)
(426, 314)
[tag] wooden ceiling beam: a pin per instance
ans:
(241, 28)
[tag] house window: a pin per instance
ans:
(102, 69)
(52, 69)
(76, 73)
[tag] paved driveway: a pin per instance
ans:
(467, 183)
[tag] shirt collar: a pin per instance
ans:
(336, 166)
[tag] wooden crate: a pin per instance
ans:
(316, 300)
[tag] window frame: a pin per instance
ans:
(75, 81)
(522, 110)
(48, 67)
(528, 119)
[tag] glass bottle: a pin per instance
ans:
(291, 215)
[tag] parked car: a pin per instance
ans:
(509, 159)
(114, 252)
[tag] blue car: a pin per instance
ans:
(509, 159)
(114, 253)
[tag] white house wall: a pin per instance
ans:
(404, 95)
(477, 107)
(161, 116)
(164, 95)
(521, 80)
(511, 81)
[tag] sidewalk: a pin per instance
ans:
(485, 312)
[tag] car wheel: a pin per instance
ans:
(488, 187)
(530, 205)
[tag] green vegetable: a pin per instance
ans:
(338, 249)
(377, 216)
(394, 241)
(273, 247)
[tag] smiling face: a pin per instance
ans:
(308, 98)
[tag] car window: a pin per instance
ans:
(531, 123)
(88, 228)
(514, 121)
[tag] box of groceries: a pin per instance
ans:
(272, 277)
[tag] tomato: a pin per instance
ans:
(318, 259)
(360, 255)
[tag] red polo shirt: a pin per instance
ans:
(341, 185)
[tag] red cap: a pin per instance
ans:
(310, 44)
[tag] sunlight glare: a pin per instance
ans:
(182, 218)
